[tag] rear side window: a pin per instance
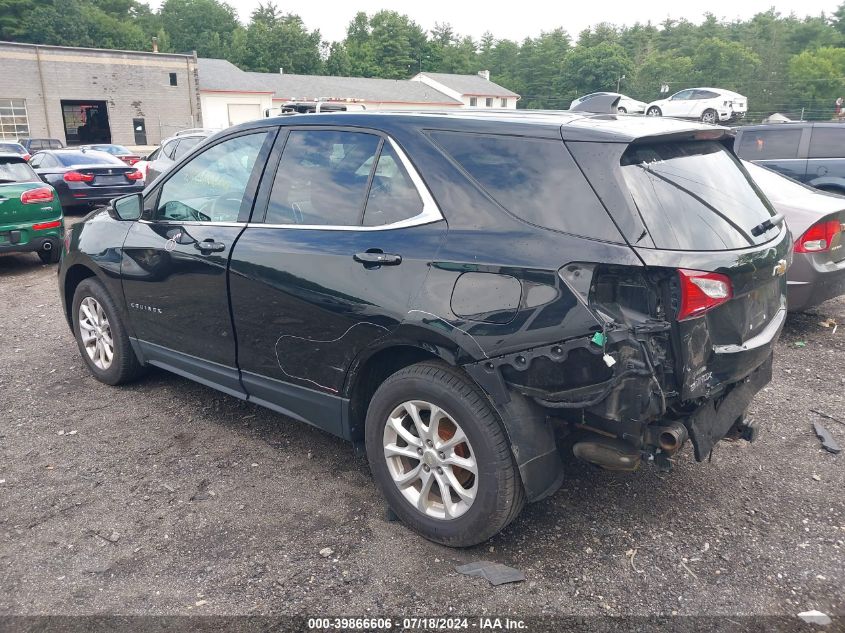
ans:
(769, 144)
(16, 171)
(185, 146)
(694, 196)
(827, 142)
(536, 180)
(322, 178)
(168, 148)
(393, 196)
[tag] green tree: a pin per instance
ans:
(337, 62)
(205, 26)
(587, 69)
(818, 74)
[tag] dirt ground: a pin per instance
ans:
(167, 497)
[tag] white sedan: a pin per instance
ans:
(709, 105)
(626, 104)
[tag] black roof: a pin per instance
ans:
(570, 126)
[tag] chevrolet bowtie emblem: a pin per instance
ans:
(779, 269)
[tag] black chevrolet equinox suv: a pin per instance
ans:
(462, 294)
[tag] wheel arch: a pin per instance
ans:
(74, 275)
(529, 433)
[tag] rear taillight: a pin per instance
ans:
(37, 196)
(131, 160)
(75, 176)
(702, 291)
(27, 156)
(818, 237)
(135, 175)
(47, 225)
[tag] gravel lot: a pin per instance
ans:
(166, 497)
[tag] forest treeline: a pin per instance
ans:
(781, 62)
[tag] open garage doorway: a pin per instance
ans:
(86, 122)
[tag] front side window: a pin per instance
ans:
(212, 185)
(769, 144)
(323, 178)
(683, 95)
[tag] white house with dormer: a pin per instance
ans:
(474, 91)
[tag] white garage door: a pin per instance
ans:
(240, 112)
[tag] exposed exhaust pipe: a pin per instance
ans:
(669, 438)
(47, 246)
(610, 454)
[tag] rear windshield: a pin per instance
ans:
(15, 148)
(536, 180)
(695, 196)
(72, 159)
(117, 150)
(16, 171)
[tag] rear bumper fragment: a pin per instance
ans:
(717, 417)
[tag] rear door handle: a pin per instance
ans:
(377, 258)
(210, 246)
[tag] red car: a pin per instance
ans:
(115, 150)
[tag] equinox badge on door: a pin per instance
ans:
(780, 268)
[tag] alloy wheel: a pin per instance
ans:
(95, 331)
(430, 459)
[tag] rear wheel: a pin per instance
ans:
(101, 335)
(440, 456)
(622, 110)
(654, 111)
(710, 116)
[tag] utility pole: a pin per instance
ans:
(619, 82)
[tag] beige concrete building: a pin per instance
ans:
(80, 95)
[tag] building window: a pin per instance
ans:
(473, 102)
(504, 103)
(173, 81)
(14, 123)
(489, 102)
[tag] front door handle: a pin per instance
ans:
(210, 246)
(377, 258)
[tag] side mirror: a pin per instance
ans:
(127, 208)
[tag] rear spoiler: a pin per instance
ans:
(602, 104)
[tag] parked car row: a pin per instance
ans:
(709, 105)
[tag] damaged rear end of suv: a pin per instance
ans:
(640, 310)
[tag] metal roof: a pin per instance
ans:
(221, 75)
(470, 85)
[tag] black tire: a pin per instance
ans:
(124, 366)
(499, 494)
(622, 110)
(654, 111)
(50, 257)
(710, 116)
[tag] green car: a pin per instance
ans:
(30, 214)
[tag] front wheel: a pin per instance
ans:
(710, 116)
(654, 111)
(439, 454)
(622, 110)
(101, 335)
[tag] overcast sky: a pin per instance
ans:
(517, 19)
